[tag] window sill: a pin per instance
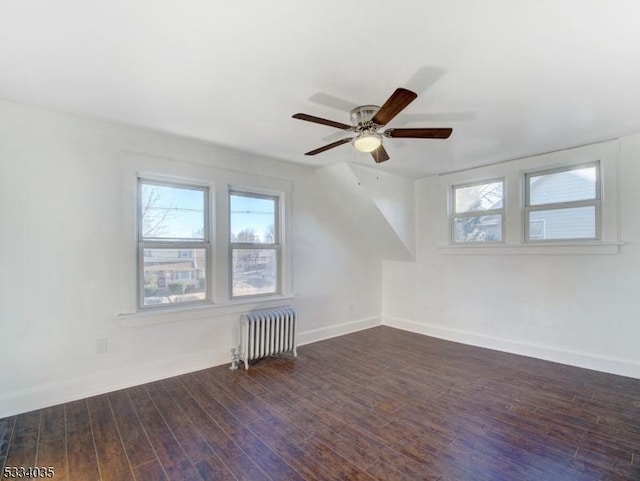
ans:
(198, 311)
(546, 248)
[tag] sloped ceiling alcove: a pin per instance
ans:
(380, 206)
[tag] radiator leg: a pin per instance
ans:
(246, 365)
(234, 359)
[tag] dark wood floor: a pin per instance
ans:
(380, 404)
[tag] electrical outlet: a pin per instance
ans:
(101, 346)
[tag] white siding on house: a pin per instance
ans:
(559, 187)
(572, 223)
(563, 186)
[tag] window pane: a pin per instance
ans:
(479, 197)
(573, 223)
(170, 212)
(254, 271)
(253, 219)
(567, 186)
(483, 228)
(174, 276)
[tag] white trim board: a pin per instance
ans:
(621, 367)
(335, 330)
(52, 394)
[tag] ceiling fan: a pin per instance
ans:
(369, 119)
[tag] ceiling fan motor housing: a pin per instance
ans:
(361, 116)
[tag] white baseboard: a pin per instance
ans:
(320, 334)
(51, 394)
(622, 367)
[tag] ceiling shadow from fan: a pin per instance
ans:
(328, 100)
(419, 82)
(424, 78)
(462, 116)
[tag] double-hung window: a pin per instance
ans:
(478, 212)
(173, 243)
(563, 204)
(254, 243)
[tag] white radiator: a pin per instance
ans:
(264, 333)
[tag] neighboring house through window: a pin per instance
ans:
(563, 203)
(478, 212)
(254, 243)
(173, 243)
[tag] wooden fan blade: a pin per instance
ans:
(418, 133)
(329, 146)
(393, 106)
(380, 154)
(318, 120)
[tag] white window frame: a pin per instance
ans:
(276, 246)
(172, 244)
(477, 213)
(595, 202)
(610, 234)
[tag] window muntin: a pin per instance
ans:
(173, 244)
(536, 228)
(478, 212)
(254, 243)
(566, 201)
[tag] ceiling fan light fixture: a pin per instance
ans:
(367, 142)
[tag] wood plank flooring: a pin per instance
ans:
(381, 404)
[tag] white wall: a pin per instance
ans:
(379, 205)
(67, 253)
(571, 305)
(66, 259)
(393, 196)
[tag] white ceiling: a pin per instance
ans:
(512, 78)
